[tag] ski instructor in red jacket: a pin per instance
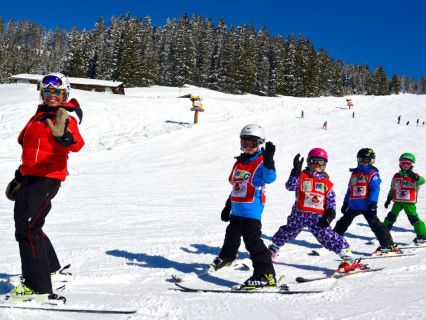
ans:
(46, 140)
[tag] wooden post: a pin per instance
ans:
(196, 117)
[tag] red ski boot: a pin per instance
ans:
(348, 266)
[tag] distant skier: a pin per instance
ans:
(253, 169)
(403, 192)
(302, 115)
(353, 114)
(408, 123)
(324, 126)
(418, 120)
(399, 119)
(46, 140)
(361, 199)
(423, 124)
(314, 208)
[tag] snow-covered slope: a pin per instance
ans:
(144, 197)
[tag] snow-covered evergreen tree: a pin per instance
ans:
(149, 57)
(421, 88)
(277, 65)
(229, 80)
(395, 85)
(378, 83)
(221, 35)
(165, 48)
(183, 55)
(131, 67)
(76, 60)
(263, 63)
(291, 79)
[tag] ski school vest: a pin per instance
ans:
(404, 189)
(312, 193)
(358, 185)
(241, 177)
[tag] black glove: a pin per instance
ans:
(66, 140)
(413, 175)
(13, 186)
(344, 207)
(297, 166)
(268, 155)
(327, 217)
(226, 212)
(388, 201)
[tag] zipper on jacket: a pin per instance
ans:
(38, 149)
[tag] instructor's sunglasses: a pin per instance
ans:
(317, 161)
(49, 91)
(53, 81)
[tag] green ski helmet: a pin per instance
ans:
(408, 156)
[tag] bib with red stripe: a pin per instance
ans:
(312, 193)
(241, 179)
(404, 189)
(358, 185)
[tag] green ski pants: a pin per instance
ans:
(413, 217)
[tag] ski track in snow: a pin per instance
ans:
(144, 197)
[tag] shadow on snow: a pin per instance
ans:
(5, 285)
(394, 229)
(144, 260)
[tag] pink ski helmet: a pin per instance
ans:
(318, 153)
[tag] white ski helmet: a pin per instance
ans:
(57, 81)
(253, 130)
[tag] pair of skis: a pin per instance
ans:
(209, 271)
(381, 256)
(53, 302)
(280, 289)
(54, 308)
(336, 275)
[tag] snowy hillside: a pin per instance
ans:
(144, 197)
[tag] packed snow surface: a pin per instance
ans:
(143, 201)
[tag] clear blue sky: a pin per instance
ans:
(372, 32)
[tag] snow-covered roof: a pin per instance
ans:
(84, 81)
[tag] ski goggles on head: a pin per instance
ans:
(48, 91)
(405, 163)
(51, 81)
(249, 142)
(317, 161)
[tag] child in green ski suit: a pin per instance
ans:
(404, 188)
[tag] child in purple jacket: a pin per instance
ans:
(315, 208)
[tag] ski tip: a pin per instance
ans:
(182, 287)
(314, 253)
(301, 279)
(244, 266)
(176, 279)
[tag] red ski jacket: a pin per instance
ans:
(42, 154)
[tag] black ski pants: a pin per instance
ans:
(250, 230)
(38, 257)
(381, 232)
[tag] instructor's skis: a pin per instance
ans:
(55, 308)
